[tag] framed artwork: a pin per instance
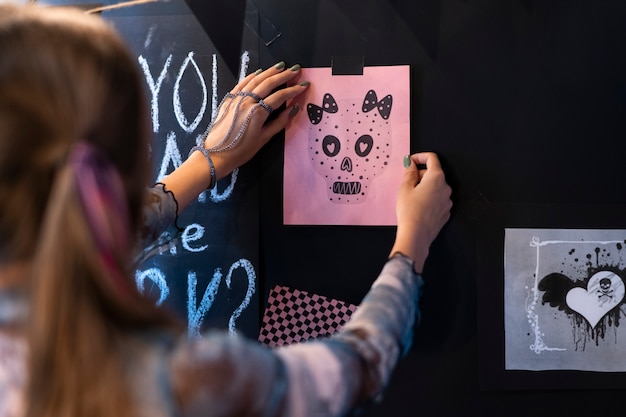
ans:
(551, 297)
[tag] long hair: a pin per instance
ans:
(67, 78)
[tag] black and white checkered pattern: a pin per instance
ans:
(294, 316)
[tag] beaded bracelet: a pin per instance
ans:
(220, 147)
(206, 154)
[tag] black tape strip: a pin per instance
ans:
(348, 65)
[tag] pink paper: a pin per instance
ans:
(344, 150)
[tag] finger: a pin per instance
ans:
(271, 128)
(428, 164)
(242, 84)
(254, 82)
(266, 86)
(258, 76)
(411, 176)
(281, 96)
(429, 159)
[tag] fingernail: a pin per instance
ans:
(280, 65)
(305, 83)
(257, 72)
(295, 67)
(294, 110)
(406, 161)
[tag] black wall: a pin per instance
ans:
(524, 102)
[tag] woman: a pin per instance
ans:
(76, 338)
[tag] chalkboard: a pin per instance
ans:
(524, 100)
(209, 275)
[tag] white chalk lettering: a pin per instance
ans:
(192, 233)
(245, 62)
(195, 315)
(247, 266)
(198, 305)
(150, 36)
(171, 154)
(218, 197)
(157, 277)
(214, 98)
(178, 110)
(155, 87)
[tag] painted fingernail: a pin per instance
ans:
(406, 161)
(280, 65)
(295, 68)
(305, 83)
(257, 72)
(294, 110)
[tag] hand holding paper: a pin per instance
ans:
(423, 207)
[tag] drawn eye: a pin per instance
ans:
(331, 145)
(363, 145)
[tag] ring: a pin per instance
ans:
(266, 106)
(249, 94)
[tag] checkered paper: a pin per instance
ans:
(294, 316)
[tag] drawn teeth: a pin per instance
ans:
(349, 188)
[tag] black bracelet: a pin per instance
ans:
(207, 155)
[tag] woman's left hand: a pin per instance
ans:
(239, 131)
(241, 127)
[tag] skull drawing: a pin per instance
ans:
(605, 288)
(350, 144)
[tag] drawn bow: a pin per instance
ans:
(384, 105)
(315, 112)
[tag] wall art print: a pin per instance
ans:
(564, 299)
(343, 152)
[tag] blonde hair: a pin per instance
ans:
(67, 77)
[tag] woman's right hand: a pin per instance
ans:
(422, 208)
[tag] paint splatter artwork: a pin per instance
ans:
(565, 299)
(343, 154)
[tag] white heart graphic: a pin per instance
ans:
(330, 148)
(605, 290)
(363, 147)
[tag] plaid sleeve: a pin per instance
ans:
(159, 229)
(353, 366)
